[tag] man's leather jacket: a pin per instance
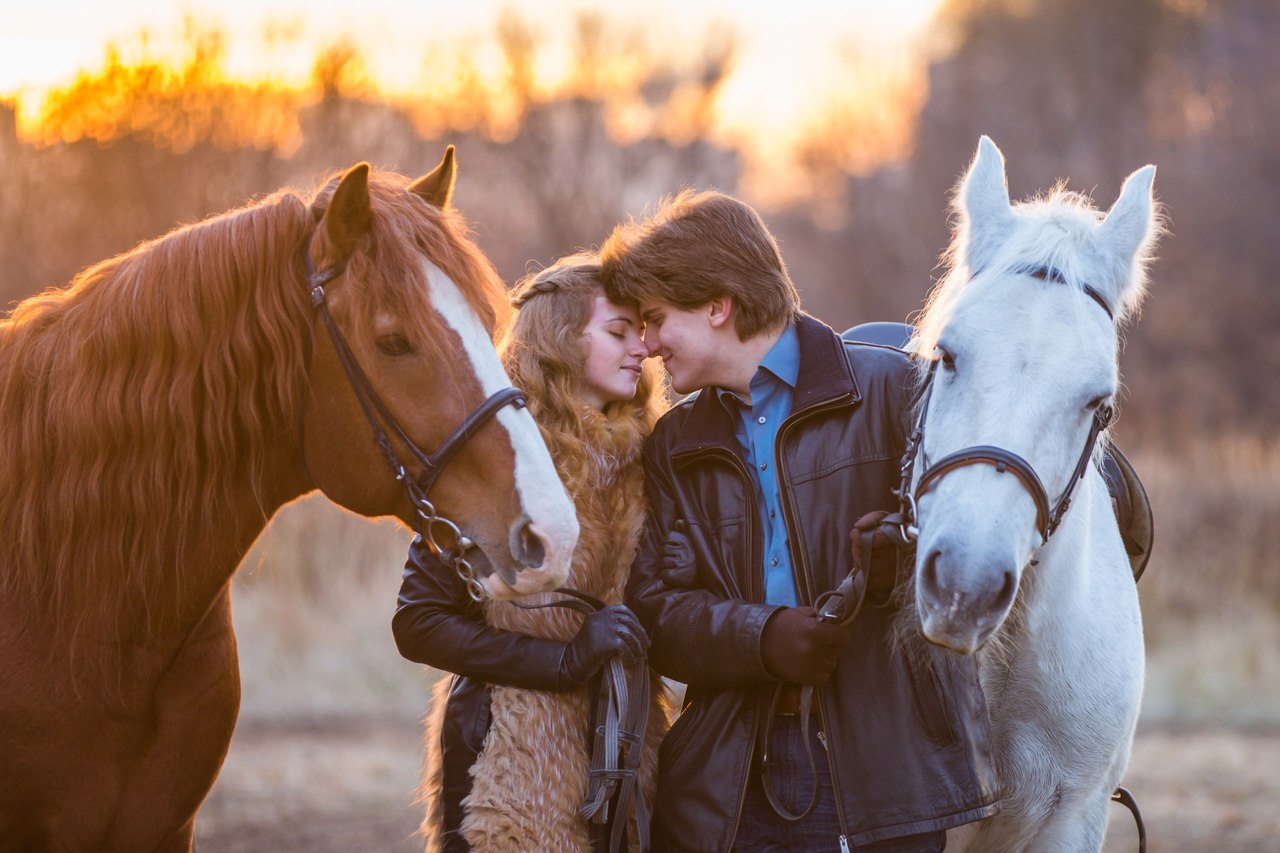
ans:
(906, 723)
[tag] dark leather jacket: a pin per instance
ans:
(908, 732)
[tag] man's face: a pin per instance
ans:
(685, 340)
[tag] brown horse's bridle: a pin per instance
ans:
(432, 526)
(1047, 518)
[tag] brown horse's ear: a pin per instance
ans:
(437, 185)
(349, 216)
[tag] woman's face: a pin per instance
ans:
(615, 351)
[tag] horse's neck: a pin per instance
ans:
(1064, 600)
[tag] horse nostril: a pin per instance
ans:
(929, 572)
(526, 545)
(1007, 590)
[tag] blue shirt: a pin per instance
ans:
(756, 425)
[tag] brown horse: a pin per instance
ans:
(156, 412)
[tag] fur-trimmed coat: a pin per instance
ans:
(531, 775)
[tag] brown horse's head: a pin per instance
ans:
(417, 304)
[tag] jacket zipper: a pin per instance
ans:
(753, 594)
(788, 516)
(799, 567)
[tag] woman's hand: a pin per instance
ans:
(607, 632)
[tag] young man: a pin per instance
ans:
(794, 436)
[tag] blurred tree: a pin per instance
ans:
(1093, 89)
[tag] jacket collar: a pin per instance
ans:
(825, 375)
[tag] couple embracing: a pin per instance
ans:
(708, 531)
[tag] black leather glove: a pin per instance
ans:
(610, 631)
(797, 647)
(677, 566)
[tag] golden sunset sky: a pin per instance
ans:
(792, 55)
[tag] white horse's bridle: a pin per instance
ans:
(1047, 518)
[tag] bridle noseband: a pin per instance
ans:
(1047, 518)
(432, 524)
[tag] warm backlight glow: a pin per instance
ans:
(790, 61)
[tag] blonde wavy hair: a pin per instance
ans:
(545, 354)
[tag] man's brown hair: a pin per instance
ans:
(700, 246)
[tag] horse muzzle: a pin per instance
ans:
(960, 607)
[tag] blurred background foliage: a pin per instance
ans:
(1081, 89)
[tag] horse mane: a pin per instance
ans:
(139, 404)
(141, 393)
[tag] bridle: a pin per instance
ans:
(1047, 518)
(431, 525)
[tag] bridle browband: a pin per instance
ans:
(431, 523)
(1047, 518)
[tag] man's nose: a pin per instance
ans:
(652, 343)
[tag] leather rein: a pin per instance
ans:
(621, 719)
(442, 535)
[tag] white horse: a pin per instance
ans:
(1019, 350)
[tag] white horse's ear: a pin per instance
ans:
(1128, 233)
(1131, 221)
(983, 200)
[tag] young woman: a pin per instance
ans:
(508, 739)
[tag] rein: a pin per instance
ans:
(431, 523)
(840, 607)
(621, 720)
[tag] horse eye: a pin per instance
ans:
(1097, 402)
(393, 345)
(948, 360)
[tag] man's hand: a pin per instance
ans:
(797, 647)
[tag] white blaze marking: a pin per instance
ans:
(537, 483)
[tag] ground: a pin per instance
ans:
(347, 786)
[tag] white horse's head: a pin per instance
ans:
(1024, 331)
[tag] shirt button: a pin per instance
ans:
(772, 513)
(760, 419)
(774, 561)
(764, 465)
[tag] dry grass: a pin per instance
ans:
(1211, 595)
(312, 606)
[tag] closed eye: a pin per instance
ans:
(948, 360)
(393, 344)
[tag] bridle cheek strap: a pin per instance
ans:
(376, 411)
(427, 521)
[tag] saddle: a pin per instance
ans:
(1128, 496)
